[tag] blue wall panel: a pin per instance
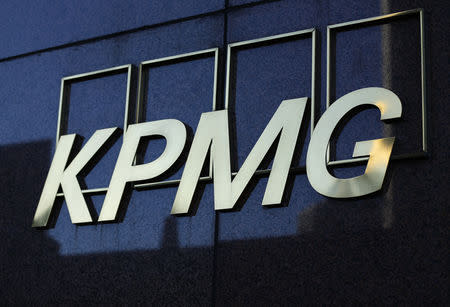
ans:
(31, 25)
(385, 248)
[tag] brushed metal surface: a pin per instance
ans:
(67, 177)
(212, 131)
(172, 130)
(378, 150)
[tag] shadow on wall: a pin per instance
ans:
(341, 254)
(23, 169)
(33, 272)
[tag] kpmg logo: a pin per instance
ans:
(212, 136)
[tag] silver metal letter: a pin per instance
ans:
(172, 130)
(378, 150)
(213, 130)
(58, 174)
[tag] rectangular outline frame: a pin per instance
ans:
(273, 39)
(184, 57)
(369, 22)
(128, 68)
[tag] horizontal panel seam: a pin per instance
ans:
(134, 30)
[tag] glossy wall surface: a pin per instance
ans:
(387, 248)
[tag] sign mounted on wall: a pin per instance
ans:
(212, 136)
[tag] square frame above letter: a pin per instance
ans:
(290, 36)
(141, 96)
(383, 19)
(64, 97)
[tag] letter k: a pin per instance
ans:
(67, 177)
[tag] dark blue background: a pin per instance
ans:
(386, 248)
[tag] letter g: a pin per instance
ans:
(379, 150)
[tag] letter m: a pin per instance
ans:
(213, 134)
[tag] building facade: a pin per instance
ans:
(178, 59)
